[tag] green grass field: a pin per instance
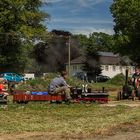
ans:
(68, 121)
(75, 120)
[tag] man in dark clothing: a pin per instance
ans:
(59, 86)
(136, 78)
(11, 86)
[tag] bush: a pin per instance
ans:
(41, 84)
(117, 80)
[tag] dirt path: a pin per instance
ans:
(51, 136)
(123, 102)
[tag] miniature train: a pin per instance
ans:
(78, 95)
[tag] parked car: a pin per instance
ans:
(102, 78)
(90, 77)
(79, 75)
(9, 76)
(87, 77)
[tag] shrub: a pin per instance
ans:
(117, 80)
(41, 84)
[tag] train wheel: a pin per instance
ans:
(58, 102)
(22, 102)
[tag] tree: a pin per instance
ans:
(21, 25)
(81, 41)
(54, 55)
(90, 46)
(102, 41)
(127, 27)
(92, 60)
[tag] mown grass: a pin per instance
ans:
(75, 120)
(79, 120)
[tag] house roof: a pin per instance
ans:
(105, 58)
(110, 60)
(78, 60)
(108, 54)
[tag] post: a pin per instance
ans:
(69, 54)
(126, 77)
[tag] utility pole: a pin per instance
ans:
(69, 54)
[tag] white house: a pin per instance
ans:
(110, 63)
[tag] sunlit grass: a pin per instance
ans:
(74, 119)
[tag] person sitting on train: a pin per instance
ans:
(3, 88)
(59, 86)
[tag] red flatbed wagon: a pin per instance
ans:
(21, 96)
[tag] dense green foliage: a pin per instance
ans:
(100, 41)
(118, 80)
(92, 64)
(95, 43)
(20, 26)
(126, 14)
(42, 83)
(53, 54)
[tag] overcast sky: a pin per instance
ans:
(80, 16)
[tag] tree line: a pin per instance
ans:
(27, 46)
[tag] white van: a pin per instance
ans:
(29, 76)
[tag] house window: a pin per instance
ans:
(81, 67)
(120, 68)
(114, 68)
(74, 67)
(106, 68)
(102, 67)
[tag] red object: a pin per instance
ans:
(1, 87)
(21, 96)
